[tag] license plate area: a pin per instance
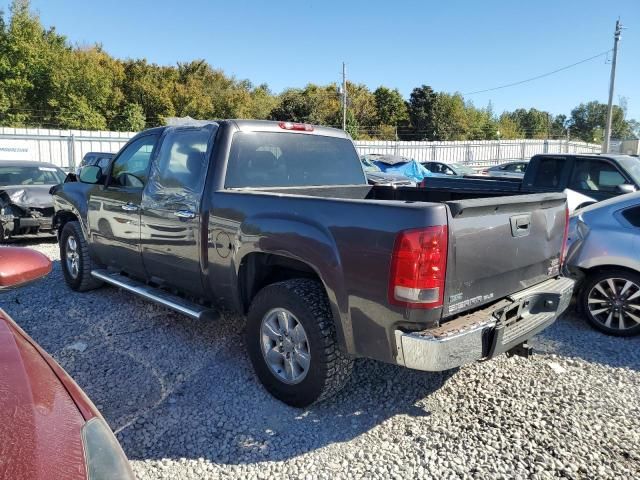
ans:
(522, 319)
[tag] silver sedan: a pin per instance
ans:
(604, 255)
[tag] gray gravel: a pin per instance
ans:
(184, 403)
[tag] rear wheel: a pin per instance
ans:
(75, 259)
(292, 344)
(611, 302)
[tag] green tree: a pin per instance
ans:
(508, 127)
(450, 117)
(421, 113)
(391, 109)
(588, 122)
(131, 119)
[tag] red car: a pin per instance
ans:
(49, 429)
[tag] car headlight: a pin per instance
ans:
(103, 455)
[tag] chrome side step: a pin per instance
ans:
(180, 305)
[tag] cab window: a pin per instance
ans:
(595, 175)
(131, 166)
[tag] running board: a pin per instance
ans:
(180, 305)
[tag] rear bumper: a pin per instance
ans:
(488, 332)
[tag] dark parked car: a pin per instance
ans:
(48, 426)
(604, 256)
(451, 169)
(509, 169)
(26, 207)
(597, 177)
(277, 221)
(101, 159)
(375, 176)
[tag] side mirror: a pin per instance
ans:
(20, 265)
(90, 174)
(626, 188)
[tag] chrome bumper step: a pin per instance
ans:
(156, 295)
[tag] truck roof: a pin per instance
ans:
(245, 125)
(612, 156)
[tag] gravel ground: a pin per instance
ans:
(184, 403)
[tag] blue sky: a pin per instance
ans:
(453, 46)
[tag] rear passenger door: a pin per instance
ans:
(170, 209)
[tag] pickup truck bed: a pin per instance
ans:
(426, 278)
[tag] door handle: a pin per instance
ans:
(129, 207)
(184, 214)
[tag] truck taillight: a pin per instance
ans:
(565, 238)
(296, 126)
(418, 267)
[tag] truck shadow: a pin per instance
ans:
(174, 388)
(171, 387)
(235, 421)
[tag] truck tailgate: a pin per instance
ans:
(498, 246)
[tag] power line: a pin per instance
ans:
(537, 77)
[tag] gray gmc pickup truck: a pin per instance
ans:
(277, 221)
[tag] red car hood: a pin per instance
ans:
(40, 424)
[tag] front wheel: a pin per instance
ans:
(611, 302)
(75, 259)
(291, 340)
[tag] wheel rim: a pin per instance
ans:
(615, 303)
(285, 346)
(73, 258)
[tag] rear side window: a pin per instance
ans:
(632, 215)
(548, 172)
(274, 159)
(595, 175)
(178, 173)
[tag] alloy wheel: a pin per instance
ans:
(285, 346)
(615, 303)
(73, 257)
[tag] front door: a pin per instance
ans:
(114, 210)
(170, 221)
(597, 178)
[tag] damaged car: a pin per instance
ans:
(26, 206)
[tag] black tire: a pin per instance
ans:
(82, 280)
(598, 321)
(329, 369)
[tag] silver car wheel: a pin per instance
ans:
(73, 257)
(615, 303)
(285, 346)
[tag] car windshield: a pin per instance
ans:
(464, 169)
(632, 166)
(369, 166)
(274, 159)
(30, 175)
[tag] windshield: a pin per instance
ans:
(36, 175)
(632, 166)
(369, 166)
(274, 159)
(464, 169)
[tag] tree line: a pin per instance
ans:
(47, 82)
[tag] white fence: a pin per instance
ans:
(66, 148)
(475, 153)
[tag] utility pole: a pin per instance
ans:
(344, 96)
(612, 81)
